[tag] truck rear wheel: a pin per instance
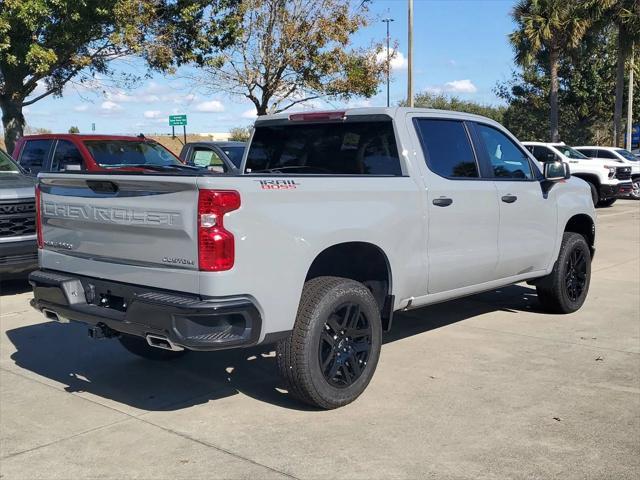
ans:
(139, 346)
(565, 289)
(333, 350)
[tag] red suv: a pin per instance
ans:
(71, 152)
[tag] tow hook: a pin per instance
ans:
(102, 331)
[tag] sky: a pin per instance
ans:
(460, 48)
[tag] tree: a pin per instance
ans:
(444, 102)
(293, 51)
(74, 129)
(549, 29)
(45, 44)
(240, 134)
(587, 79)
(626, 16)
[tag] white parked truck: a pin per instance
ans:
(337, 220)
(607, 179)
(620, 156)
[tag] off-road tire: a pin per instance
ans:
(299, 355)
(635, 191)
(607, 202)
(139, 346)
(594, 194)
(552, 290)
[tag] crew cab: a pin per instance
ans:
(18, 252)
(607, 180)
(219, 157)
(338, 220)
(92, 153)
(619, 155)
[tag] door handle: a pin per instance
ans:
(509, 198)
(442, 202)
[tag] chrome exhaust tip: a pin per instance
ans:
(164, 343)
(51, 315)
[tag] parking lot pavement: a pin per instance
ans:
(485, 387)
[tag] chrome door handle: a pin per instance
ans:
(509, 198)
(442, 202)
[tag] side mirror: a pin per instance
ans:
(556, 171)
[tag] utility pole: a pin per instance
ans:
(410, 57)
(388, 20)
(630, 102)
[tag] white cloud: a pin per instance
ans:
(81, 108)
(152, 114)
(398, 62)
(110, 106)
(455, 86)
(251, 113)
(460, 86)
(210, 106)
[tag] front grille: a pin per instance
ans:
(623, 173)
(17, 218)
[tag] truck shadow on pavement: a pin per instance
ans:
(64, 354)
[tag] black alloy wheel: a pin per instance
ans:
(345, 345)
(576, 274)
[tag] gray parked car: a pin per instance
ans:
(18, 251)
(219, 157)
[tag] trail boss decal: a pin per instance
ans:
(278, 184)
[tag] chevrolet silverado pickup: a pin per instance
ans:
(337, 220)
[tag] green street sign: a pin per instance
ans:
(177, 120)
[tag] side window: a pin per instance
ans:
(204, 157)
(606, 154)
(589, 152)
(447, 148)
(34, 154)
(66, 155)
(543, 154)
(507, 160)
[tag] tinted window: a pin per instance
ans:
(447, 148)
(570, 152)
(66, 154)
(606, 154)
(507, 160)
(235, 154)
(626, 154)
(353, 148)
(34, 155)
(125, 153)
(588, 152)
(542, 154)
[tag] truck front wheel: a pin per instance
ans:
(333, 350)
(565, 289)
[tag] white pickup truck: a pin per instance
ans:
(337, 220)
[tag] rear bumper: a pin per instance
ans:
(613, 191)
(186, 320)
(18, 258)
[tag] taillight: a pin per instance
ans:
(216, 245)
(39, 218)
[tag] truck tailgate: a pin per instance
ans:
(103, 225)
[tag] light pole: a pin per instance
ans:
(630, 103)
(410, 56)
(388, 21)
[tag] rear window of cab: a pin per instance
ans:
(340, 148)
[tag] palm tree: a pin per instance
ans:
(626, 15)
(548, 29)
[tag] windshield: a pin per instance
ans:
(570, 152)
(235, 154)
(123, 153)
(627, 154)
(7, 165)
